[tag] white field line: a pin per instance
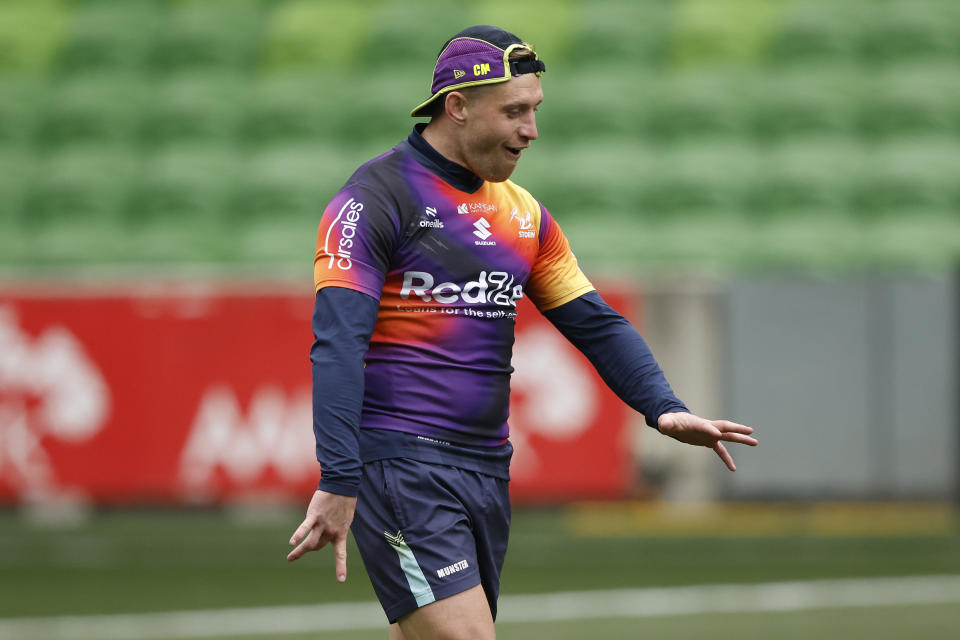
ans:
(571, 605)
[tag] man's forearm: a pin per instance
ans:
(343, 321)
(619, 353)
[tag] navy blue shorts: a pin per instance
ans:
(428, 531)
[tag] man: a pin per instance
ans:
(421, 259)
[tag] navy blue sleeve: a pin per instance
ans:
(343, 321)
(618, 352)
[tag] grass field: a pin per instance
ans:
(140, 562)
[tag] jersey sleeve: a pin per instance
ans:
(355, 241)
(555, 278)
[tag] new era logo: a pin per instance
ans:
(457, 74)
(481, 227)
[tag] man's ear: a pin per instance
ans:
(455, 106)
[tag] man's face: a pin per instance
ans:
(500, 123)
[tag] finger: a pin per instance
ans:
(732, 427)
(739, 439)
(301, 531)
(710, 430)
(340, 554)
(725, 456)
(312, 542)
(704, 427)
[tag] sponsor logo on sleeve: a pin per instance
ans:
(526, 225)
(346, 225)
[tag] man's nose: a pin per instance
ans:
(528, 128)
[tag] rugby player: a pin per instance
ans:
(421, 259)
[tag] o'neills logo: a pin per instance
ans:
(496, 287)
(346, 220)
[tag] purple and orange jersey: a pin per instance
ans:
(448, 256)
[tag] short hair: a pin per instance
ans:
(522, 52)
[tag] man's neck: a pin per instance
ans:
(443, 143)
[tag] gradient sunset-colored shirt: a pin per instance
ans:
(448, 256)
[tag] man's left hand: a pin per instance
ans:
(695, 430)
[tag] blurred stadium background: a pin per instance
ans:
(769, 188)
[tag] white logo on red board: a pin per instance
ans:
(50, 389)
(229, 444)
(554, 396)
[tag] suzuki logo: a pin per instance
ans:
(481, 226)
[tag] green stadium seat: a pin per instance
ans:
(690, 108)
(105, 35)
(805, 177)
(20, 102)
(185, 116)
(916, 31)
(194, 108)
(83, 182)
(30, 34)
(303, 35)
(603, 173)
(906, 178)
(572, 110)
(812, 33)
(696, 179)
(205, 35)
(390, 45)
(91, 109)
(292, 109)
(911, 102)
(293, 182)
(379, 108)
(781, 107)
(187, 183)
(17, 170)
(622, 34)
(548, 25)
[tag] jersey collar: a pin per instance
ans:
(455, 175)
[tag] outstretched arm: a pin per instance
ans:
(343, 321)
(624, 361)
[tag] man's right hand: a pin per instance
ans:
(328, 520)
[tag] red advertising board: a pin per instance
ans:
(201, 393)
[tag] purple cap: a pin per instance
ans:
(477, 55)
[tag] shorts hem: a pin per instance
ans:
(409, 602)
